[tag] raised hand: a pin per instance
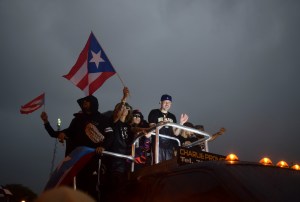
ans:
(220, 132)
(99, 150)
(184, 118)
(125, 93)
(44, 117)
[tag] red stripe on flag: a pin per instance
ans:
(80, 61)
(84, 82)
(99, 81)
(33, 105)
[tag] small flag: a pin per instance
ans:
(33, 105)
(92, 68)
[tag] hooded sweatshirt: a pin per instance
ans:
(88, 129)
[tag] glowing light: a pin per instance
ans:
(266, 161)
(231, 157)
(58, 122)
(282, 164)
(295, 167)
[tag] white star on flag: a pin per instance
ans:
(96, 58)
(87, 73)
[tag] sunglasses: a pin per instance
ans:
(136, 116)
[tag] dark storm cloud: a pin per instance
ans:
(232, 64)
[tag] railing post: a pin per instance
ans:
(74, 183)
(206, 146)
(133, 155)
(156, 145)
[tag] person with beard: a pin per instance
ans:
(88, 128)
(163, 115)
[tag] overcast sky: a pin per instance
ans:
(232, 64)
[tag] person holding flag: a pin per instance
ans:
(89, 128)
(60, 135)
(120, 142)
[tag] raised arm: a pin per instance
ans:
(183, 119)
(118, 114)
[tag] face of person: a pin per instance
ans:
(124, 110)
(86, 105)
(136, 119)
(165, 105)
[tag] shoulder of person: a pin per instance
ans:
(102, 118)
(79, 114)
(154, 111)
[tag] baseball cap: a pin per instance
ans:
(166, 97)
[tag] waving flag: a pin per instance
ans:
(70, 166)
(33, 105)
(92, 68)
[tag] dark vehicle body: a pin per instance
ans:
(211, 181)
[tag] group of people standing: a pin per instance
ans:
(116, 133)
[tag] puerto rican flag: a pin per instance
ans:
(69, 167)
(92, 68)
(33, 105)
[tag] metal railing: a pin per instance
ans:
(205, 137)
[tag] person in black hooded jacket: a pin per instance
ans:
(88, 128)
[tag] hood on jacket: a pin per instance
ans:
(94, 103)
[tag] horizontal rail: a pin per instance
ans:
(129, 157)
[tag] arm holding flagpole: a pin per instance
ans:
(118, 112)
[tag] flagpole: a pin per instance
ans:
(44, 106)
(121, 80)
